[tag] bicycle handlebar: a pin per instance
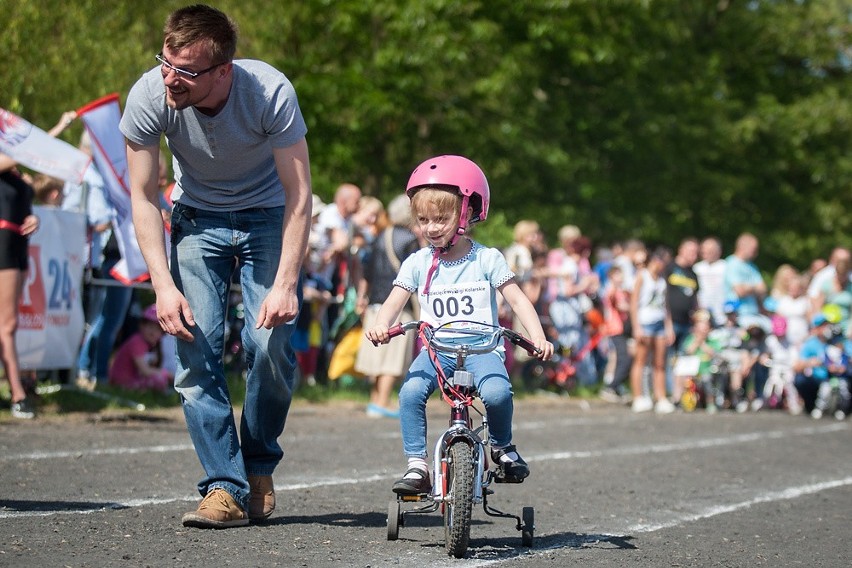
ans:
(517, 339)
(514, 337)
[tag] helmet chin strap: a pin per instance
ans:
(446, 248)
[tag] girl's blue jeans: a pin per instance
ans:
(493, 386)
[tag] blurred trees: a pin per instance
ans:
(654, 119)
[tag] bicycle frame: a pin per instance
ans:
(459, 391)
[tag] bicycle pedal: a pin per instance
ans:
(509, 479)
(501, 477)
(412, 498)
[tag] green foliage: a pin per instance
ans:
(655, 119)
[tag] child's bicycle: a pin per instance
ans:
(778, 392)
(834, 404)
(708, 390)
(461, 472)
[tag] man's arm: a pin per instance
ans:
(172, 307)
(293, 165)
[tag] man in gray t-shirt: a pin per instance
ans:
(242, 201)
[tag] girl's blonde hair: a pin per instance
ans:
(443, 200)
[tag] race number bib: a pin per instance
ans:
(463, 301)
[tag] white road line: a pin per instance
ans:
(767, 497)
(580, 421)
(678, 520)
(692, 444)
(96, 452)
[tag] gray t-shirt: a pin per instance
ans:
(221, 162)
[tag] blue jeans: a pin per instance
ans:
(207, 246)
(110, 303)
(493, 386)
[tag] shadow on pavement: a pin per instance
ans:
(371, 519)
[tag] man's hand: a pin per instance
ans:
(172, 311)
(279, 307)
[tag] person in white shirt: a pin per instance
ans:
(819, 280)
(711, 278)
(334, 225)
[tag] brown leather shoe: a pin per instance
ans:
(218, 510)
(262, 498)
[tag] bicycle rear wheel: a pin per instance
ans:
(459, 504)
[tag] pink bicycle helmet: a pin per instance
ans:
(458, 173)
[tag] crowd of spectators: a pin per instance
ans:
(646, 327)
(632, 320)
(695, 328)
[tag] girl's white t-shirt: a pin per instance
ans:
(463, 289)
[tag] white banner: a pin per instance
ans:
(36, 149)
(50, 314)
(101, 118)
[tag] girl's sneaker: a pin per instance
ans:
(511, 467)
(414, 482)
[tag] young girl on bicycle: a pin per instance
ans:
(455, 278)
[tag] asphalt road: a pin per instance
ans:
(609, 488)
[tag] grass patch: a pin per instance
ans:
(54, 398)
(58, 399)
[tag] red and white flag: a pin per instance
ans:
(34, 148)
(101, 118)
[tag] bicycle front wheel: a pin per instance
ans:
(459, 503)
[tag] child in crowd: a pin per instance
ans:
(794, 307)
(138, 363)
(754, 374)
(616, 309)
(837, 366)
(822, 366)
(651, 323)
(449, 193)
(695, 360)
(732, 338)
(48, 190)
(779, 357)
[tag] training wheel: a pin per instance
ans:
(394, 515)
(528, 527)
